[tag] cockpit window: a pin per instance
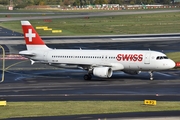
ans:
(165, 57)
(161, 57)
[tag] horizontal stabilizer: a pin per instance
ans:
(26, 53)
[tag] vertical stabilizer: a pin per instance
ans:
(32, 39)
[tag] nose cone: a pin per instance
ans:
(172, 64)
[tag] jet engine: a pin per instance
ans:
(132, 72)
(103, 72)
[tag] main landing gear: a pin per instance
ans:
(87, 77)
(151, 75)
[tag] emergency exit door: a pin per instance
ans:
(147, 58)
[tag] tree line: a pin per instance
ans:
(24, 3)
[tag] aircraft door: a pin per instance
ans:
(147, 58)
(104, 59)
(45, 55)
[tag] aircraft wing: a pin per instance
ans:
(114, 66)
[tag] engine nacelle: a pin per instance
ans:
(103, 72)
(132, 72)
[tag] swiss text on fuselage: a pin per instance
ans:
(129, 57)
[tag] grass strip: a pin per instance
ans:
(32, 109)
(109, 25)
(174, 56)
(9, 16)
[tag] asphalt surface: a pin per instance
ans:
(25, 82)
(7, 32)
(89, 14)
(60, 85)
(68, 85)
(162, 46)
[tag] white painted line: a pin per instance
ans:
(163, 74)
(142, 38)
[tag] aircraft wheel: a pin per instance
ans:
(87, 77)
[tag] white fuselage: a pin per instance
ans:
(139, 60)
(100, 63)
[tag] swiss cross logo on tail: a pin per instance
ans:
(30, 35)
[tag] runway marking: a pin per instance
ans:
(12, 57)
(164, 74)
(142, 38)
(23, 76)
(84, 95)
(14, 64)
(154, 118)
(19, 78)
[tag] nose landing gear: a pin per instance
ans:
(151, 75)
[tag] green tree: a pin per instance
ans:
(4, 2)
(66, 2)
(165, 1)
(105, 1)
(138, 1)
(76, 3)
(132, 2)
(30, 2)
(97, 2)
(114, 1)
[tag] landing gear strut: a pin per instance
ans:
(87, 77)
(151, 75)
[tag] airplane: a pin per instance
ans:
(99, 63)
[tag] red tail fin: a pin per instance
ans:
(33, 40)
